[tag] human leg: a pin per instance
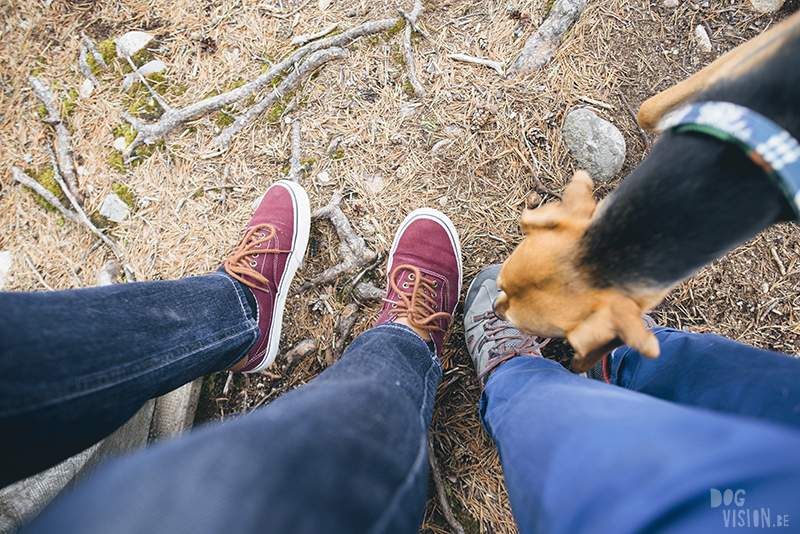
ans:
(345, 453)
(74, 365)
(580, 455)
(716, 373)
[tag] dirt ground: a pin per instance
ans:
(458, 150)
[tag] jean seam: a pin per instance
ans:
(393, 507)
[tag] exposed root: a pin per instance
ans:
(296, 168)
(302, 350)
(344, 324)
(40, 190)
(352, 248)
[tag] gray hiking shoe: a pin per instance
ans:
(490, 340)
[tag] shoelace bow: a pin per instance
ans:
(242, 261)
(494, 329)
(418, 306)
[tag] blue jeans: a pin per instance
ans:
(345, 453)
(656, 451)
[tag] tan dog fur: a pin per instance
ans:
(741, 59)
(543, 292)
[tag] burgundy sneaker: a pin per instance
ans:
(425, 272)
(266, 260)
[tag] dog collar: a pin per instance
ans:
(768, 145)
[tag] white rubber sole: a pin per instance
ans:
(302, 225)
(444, 221)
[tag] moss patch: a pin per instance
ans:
(395, 29)
(107, 49)
(125, 194)
(46, 177)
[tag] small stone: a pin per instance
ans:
(114, 208)
(703, 42)
(443, 200)
(767, 6)
(151, 67)
(352, 13)
(596, 144)
(671, 4)
(120, 143)
(28, 158)
(324, 177)
(765, 287)
(195, 36)
(132, 42)
(86, 89)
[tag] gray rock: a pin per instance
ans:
(595, 143)
(703, 41)
(132, 42)
(671, 4)
(114, 208)
(767, 6)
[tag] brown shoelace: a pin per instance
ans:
(242, 261)
(418, 306)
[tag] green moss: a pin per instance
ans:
(224, 119)
(139, 58)
(94, 65)
(126, 131)
(116, 161)
(145, 151)
(408, 88)
(125, 195)
(67, 105)
(99, 221)
(46, 177)
(273, 116)
(178, 90)
(41, 111)
(107, 49)
(337, 154)
(547, 7)
(394, 30)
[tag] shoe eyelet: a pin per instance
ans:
(262, 236)
(435, 283)
(433, 294)
(435, 306)
(405, 285)
(394, 306)
(411, 276)
(253, 263)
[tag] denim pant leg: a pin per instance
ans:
(346, 452)
(580, 455)
(716, 373)
(76, 364)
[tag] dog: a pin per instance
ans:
(587, 271)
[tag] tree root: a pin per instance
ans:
(344, 325)
(352, 248)
(437, 480)
(411, 24)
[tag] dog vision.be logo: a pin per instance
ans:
(734, 514)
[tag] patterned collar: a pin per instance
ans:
(769, 146)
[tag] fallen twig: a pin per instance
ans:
(352, 248)
(110, 243)
(496, 65)
(40, 190)
(308, 66)
(344, 324)
(173, 118)
(541, 46)
(364, 291)
(65, 164)
(296, 166)
(36, 272)
(84, 67)
(98, 57)
(411, 20)
(437, 481)
(303, 39)
(632, 113)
